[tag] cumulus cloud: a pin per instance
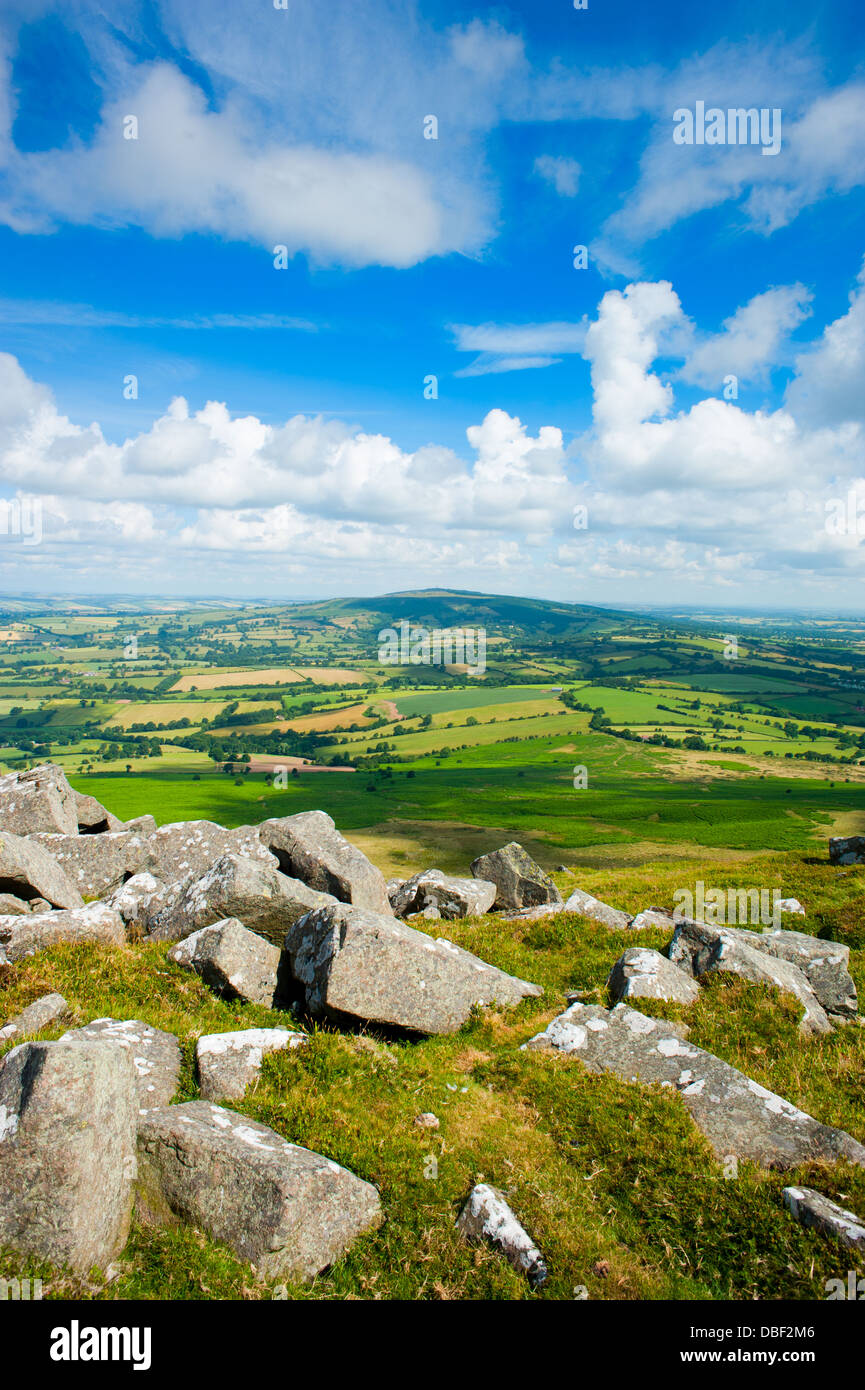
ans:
(829, 385)
(561, 173)
(750, 343)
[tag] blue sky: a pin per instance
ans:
(281, 441)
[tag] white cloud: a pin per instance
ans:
(750, 343)
(829, 385)
(561, 173)
(516, 347)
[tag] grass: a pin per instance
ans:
(613, 1181)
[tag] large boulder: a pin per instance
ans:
(739, 1117)
(68, 1117)
(138, 900)
(453, 897)
(40, 799)
(155, 1055)
(28, 871)
(24, 936)
(93, 818)
(520, 882)
(42, 1013)
(487, 1216)
(309, 847)
(140, 825)
(10, 906)
(585, 905)
(848, 849)
(705, 950)
(229, 1063)
(96, 864)
(826, 964)
(289, 1211)
(643, 974)
(258, 895)
(363, 966)
(187, 849)
(234, 962)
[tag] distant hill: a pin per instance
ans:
(465, 608)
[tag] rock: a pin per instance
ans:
(140, 825)
(652, 917)
(392, 887)
(643, 974)
(487, 1216)
(427, 1120)
(703, 950)
(96, 863)
(51, 1008)
(68, 1117)
(361, 965)
(519, 881)
(453, 897)
(310, 848)
(24, 936)
(11, 906)
(40, 799)
(155, 1055)
(92, 817)
(826, 964)
(587, 906)
(28, 871)
(534, 914)
(790, 905)
(187, 849)
(40, 905)
(289, 1211)
(847, 850)
(258, 895)
(229, 1063)
(739, 1117)
(137, 900)
(233, 961)
(812, 1209)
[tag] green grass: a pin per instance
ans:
(613, 1181)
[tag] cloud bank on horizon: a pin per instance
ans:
(688, 410)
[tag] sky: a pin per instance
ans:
(351, 298)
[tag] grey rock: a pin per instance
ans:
(40, 799)
(643, 974)
(487, 1216)
(68, 1117)
(453, 897)
(138, 900)
(140, 825)
(738, 1116)
(40, 905)
(51, 1008)
(361, 965)
(289, 1211)
(155, 1055)
(187, 849)
(92, 817)
(652, 917)
(703, 950)
(848, 849)
(519, 881)
(28, 871)
(588, 906)
(24, 936)
(229, 1063)
(427, 1120)
(10, 906)
(813, 1210)
(234, 962)
(258, 895)
(791, 906)
(309, 847)
(96, 864)
(826, 964)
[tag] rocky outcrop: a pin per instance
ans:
(138, 900)
(289, 1211)
(96, 864)
(229, 1063)
(519, 881)
(363, 966)
(68, 1116)
(234, 962)
(155, 1055)
(309, 847)
(24, 936)
(28, 871)
(187, 849)
(452, 897)
(643, 974)
(738, 1116)
(40, 799)
(825, 964)
(42, 1013)
(487, 1216)
(92, 817)
(257, 894)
